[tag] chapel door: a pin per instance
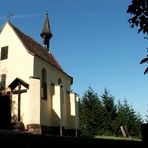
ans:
(5, 112)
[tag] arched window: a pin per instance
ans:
(44, 84)
(59, 81)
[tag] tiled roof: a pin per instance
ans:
(37, 49)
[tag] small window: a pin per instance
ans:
(3, 81)
(44, 84)
(4, 53)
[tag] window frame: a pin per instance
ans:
(4, 53)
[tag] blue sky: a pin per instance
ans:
(92, 41)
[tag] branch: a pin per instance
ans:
(144, 60)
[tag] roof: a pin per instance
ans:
(16, 82)
(46, 31)
(35, 48)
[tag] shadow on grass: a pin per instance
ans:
(26, 140)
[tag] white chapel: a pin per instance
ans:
(35, 91)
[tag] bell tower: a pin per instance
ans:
(46, 32)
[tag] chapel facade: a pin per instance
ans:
(34, 89)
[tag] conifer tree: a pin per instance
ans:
(90, 114)
(129, 119)
(109, 112)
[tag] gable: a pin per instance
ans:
(34, 48)
(37, 49)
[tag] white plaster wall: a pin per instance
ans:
(34, 107)
(72, 111)
(52, 78)
(77, 101)
(72, 104)
(19, 64)
(56, 106)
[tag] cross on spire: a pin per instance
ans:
(9, 16)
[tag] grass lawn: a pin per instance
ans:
(26, 140)
(117, 138)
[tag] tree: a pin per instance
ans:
(138, 9)
(90, 113)
(146, 120)
(109, 112)
(127, 117)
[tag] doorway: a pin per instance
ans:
(5, 112)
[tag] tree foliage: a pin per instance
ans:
(109, 111)
(138, 9)
(90, 112)
(102, 116)
(128, 118)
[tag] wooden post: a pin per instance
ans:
(19, 101)
(123, 131)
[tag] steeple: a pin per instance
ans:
(46, 32)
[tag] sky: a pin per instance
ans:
(93, 42)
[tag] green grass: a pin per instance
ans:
(117, 138)
(24, 140)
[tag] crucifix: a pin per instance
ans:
(19, 91)
(18, 82)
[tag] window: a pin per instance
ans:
(4, 53)
(44, 84)
(3, 81)
(60, 81)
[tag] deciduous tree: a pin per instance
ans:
(138, 9)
